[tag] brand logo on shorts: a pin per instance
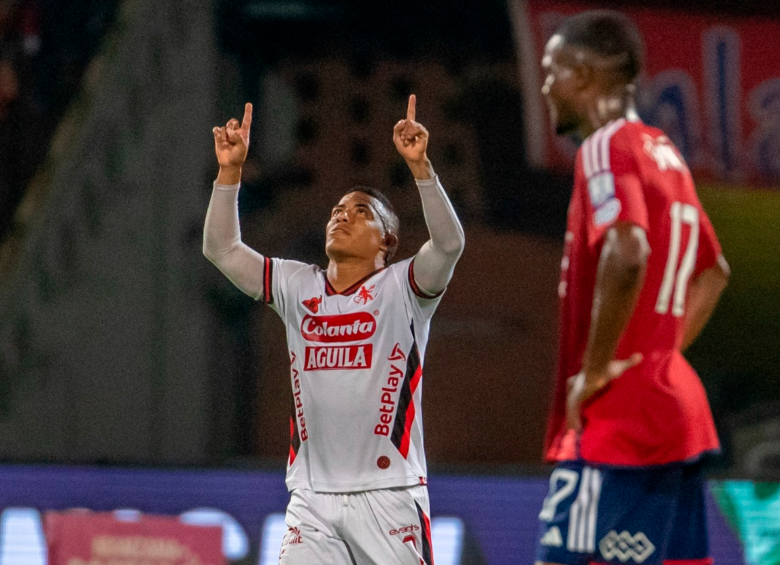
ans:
(623, 546)
(405, 530)
(552, 537)
(292, 537)
(338, 329)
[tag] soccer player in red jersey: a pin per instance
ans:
(641, 274)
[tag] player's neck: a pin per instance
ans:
(343, 273)
(605, 109)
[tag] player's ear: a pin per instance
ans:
(389, 242)
(583, 74)
(389, 245)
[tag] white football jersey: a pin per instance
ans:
(356, 370)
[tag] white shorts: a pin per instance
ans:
(376, 527)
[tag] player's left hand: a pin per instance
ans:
(582, 387)
(411, 139)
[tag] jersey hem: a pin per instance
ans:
(687, 461)
(356, 487)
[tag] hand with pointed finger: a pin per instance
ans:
(411, 141)
(582, 387)
(231, 144)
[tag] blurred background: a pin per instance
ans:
(122, 348)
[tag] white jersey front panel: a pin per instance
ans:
(356, 371)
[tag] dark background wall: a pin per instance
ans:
(120, 343)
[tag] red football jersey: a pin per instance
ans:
(656, 412)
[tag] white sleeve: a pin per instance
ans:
(282, 281)
(222, 243)
(435, 262)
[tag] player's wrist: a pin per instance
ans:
(595, 380)
(422, 169)
(229, 174)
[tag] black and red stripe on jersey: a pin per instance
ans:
(268, 271)
(427, 546)
(404, 416)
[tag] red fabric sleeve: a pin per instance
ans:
(709, 246)
(616, 194)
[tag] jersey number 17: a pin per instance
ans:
(674, 286)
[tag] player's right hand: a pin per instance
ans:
(582, 387)
(231, 142)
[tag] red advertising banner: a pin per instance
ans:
(87, 538)
(712, 83)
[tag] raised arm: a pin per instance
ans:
(222, 243)
(435, 262)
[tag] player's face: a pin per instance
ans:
(559, 87)
(354, 229)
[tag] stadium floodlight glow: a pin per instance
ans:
(274, 529)
(21, 537)
(127, 514)
(447, 535)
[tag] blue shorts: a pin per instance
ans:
(648, 515)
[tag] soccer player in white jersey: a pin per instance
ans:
(356, 333)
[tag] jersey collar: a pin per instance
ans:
(330, 291)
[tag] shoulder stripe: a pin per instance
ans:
(595, 150)
(587, 165)
(416, 289)
(609, 131)
(268, 293)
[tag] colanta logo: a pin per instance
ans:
(338, 329)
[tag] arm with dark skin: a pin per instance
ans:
(619, 280)
(703, 296)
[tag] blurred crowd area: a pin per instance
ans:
(45, 46)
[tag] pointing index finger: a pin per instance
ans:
(410, 109)
(247, 120)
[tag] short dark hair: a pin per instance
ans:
(388, 217)
(607, 33)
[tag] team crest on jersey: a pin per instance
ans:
(601, 188)
(313, 303)
(365, 295)
(607, 213)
